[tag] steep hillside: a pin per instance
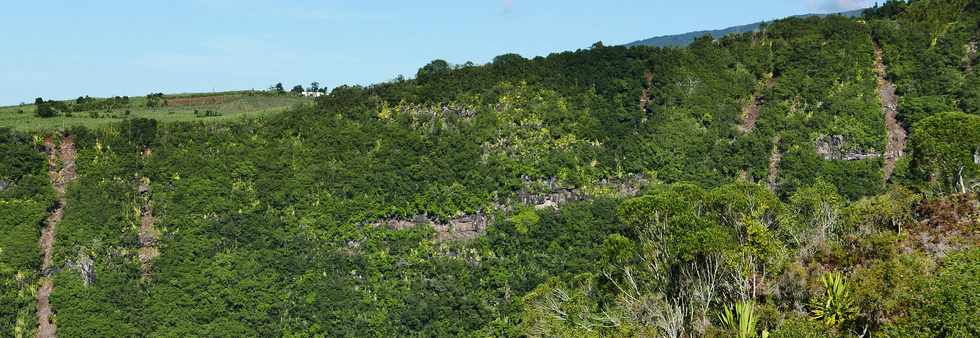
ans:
(614, 191)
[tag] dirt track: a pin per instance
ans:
(895, 144)
(148, 234)
(59, 178)
(647, 88)
(750, 113)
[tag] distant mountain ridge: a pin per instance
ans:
(684, 39)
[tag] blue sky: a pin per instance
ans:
(63, 49)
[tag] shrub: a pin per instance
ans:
(888, 211)
(835, 306)
(947, 305)
(741, 323)
(945, 146)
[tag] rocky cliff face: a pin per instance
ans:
(540, 194)
(835, 147)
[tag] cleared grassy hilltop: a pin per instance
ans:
(170, 108)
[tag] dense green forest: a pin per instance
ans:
(748, 186)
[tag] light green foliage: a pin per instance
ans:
(525, 220)
(817, 211)
(742, 322)
(893, 210)
(799, 327)
(535, 129)
(836, 305)
(227, 107)
(556, 309)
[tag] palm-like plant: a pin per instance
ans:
(836, 305)
(743, 321)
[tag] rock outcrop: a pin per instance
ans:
(834, 148)
(540, 194)
(460, 228)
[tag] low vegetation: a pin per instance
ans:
(98, 112)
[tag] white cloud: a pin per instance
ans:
(838, 5)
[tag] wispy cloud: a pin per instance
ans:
(837, 5)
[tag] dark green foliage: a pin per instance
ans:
(25, 195)
(946, 147)
(155, 100)
(140, 132)
(45, 108)
(946, 305)
(303, 223)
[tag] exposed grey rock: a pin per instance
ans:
(834, 147)
(541, 194)
(3, 185)
(463, 227)
(85, 267)
(87, 270)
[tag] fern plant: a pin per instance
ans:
(836, 305)
(743, 321)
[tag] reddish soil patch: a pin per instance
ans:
(947, 224)
(645, 96)
(750, 113)
(895, 144)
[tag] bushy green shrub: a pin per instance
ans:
(946, 305)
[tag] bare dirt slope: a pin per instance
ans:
(148, 234)
(59, 178)
(645, 95)
(750, 113)
(895, 144)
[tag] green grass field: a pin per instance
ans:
(182, 107)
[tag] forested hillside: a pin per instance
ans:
(816, 178)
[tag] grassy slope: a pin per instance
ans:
(232, 105)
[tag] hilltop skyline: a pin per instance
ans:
(66, 49)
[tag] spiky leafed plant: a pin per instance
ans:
(742, 322)
(836, 305)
